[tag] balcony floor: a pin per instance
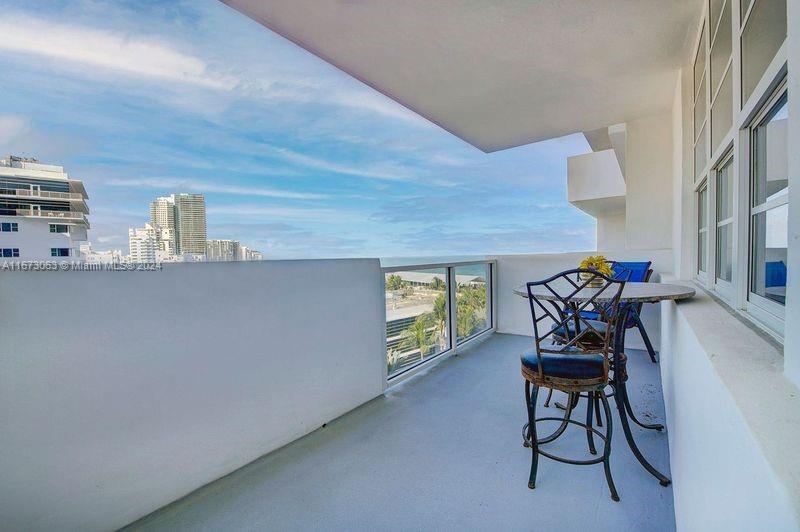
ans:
(441, 451)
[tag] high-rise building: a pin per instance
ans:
(180, 224)
(143, 244)
(223, 250)
(190, 219)
(162, 216)
(42, 211)
(247, 253)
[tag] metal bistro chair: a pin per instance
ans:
(637, 272)
(573, 356)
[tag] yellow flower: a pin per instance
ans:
(597, 263)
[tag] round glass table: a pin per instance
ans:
(633, 293)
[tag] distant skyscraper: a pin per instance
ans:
(162, 215)
(190, 219)
(223, 250)
(180, 223)
(143, 244)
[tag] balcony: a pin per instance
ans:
(49, 214)
(41, 194)
(442, 451)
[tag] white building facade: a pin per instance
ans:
(143, 243)
(223, 250)
(43, 212)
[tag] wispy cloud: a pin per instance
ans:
(282, 214)
(204, 186)
(388, 171)
(10, 127)
(129, 54)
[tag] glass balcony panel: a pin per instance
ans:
(472, 300)
(416, 317)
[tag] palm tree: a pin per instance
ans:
(439, 315)
(394, 282)
(417, 335)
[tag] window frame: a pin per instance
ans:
(726, 289)
(700, 187)
(768, 312)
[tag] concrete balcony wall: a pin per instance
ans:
(595, 184)
(733, 422)
(123, 391)
(513, 312)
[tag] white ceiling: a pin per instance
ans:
(503, 73)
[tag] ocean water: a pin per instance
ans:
(474, 269)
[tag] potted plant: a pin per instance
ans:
(596, 263)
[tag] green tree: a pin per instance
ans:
(437, 284)
(394, 282)
(439, 316)
(418, 335)
(471, 313)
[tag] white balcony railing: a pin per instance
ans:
(430, 305)
(45, 194)
(45, 213)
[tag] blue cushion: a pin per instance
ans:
(775, 274)
(572, 364)
(638, 270)
(600, 326)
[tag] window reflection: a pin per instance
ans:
(770, 207)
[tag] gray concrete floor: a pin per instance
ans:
(442, 451)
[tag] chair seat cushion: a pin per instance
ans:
(588, 314)
(599, 326)
(572, 364)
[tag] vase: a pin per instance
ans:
(595, 281)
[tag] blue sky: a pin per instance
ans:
(295, 158)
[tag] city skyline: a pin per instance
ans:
(300, 159)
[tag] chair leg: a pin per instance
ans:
(647, 343)
(597, 412)
(607, 448)
(549, 396)
(590, 399)
(531, 393)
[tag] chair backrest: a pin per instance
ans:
(563, 310)
(640, 272)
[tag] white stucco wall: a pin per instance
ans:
(611, 232)
(121, 392)
(732, 422)
(513, 312)
(648, 179)
(594, 175)
(792, 338)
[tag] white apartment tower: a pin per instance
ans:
(143, 243)
(180, 223)
(162, 216)
(42, 211)
(223, 250)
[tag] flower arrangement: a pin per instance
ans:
(599, 264)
